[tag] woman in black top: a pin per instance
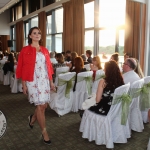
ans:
(78, 67)
(104, 96)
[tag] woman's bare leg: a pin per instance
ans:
(40, 115)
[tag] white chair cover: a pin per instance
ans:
(7, 78)
(1, 72)
(17, 85)
(88, 68)
(98, 77)
(81, 92)
(59, 102)
(59, 71)
(135, 120)
(106, 129)
(145, 113)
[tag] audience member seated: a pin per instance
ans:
(88, 55)
(115, 57)
(60, 60)
(96, 65)
(78, 67)
(52, 58)
(9, 64)
(138, 69)
(84, 59)
(104, 96)
(71, 64)
(129, 75)
(68, 56)
(127, 55)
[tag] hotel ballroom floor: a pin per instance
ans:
(63, 131)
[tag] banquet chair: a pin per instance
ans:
(1, 72)
(145, 113)
(135, 120)
(88, 68)
(7, 78)
(148, 146)
(61, 102)
(60, 70)
(17, 85)
(110, 129)
(82, 90)
(99, 75)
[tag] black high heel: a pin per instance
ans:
(46, 142)
(30, 118)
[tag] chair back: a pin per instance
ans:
(117, 103)
(88, 68)
(60, 70)
(99, 75)
(66, 83)
(84, 81)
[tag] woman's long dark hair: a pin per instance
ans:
(60, 58)
(79, 64)
(11, 58)
(113, 76)
(30, 31)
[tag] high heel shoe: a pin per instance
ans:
(46, 142)
(30, 118)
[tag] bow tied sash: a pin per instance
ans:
(88, 82)
(144, 93)
(125, 99)
(99, 77)
(68, 85)
(60, 72)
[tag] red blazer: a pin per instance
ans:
(26, 63)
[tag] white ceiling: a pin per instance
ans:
(3, 3)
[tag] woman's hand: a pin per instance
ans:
(25, 89)
(52, 86)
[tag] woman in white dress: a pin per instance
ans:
(35, 70)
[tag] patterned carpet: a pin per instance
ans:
(63, 131)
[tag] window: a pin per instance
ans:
(26, 27)
(13, 38)
(54, 30)
(16, 12)
(48, 2)
(34, 5)
(34, 22)
(104, 26)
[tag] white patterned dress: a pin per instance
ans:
(39, 88)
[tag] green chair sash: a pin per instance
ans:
(99, 77)
(125, 99)
(60, 72)
(144, 94)
(68, 85)
(88, 82)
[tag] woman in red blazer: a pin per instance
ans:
(35, 70)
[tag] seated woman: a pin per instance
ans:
(106, 87)
(60, 60)
(78, 67)
(9, 64)
(138, 69)
(96, 65)
(115, 57)
(72, 63)
(84, 59)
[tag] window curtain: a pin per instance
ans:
(67, 26)
(73, 25)
(42, 26)
(19, 36)
(135, 32)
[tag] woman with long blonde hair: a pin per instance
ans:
(96, 65)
